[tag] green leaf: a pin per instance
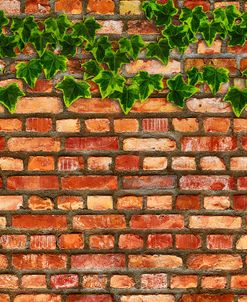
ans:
(179, 90)
(232, 13)
(193, 18)
(214, 77)
(179, 37)
(69, 45)
(91, 69)
(24, 28)
(7, 46)
(29, 72)
(109, 82)
(127, 98)
(115, 60)
(160, 50)
(41, 40)
(99, 48)
(244, 72)
(3, 20)
(148, 84)
(150, 7)
(52, 63)
(194, 76)
(209, 31)
(58, 26)
(238, 99)
(132, 46)
(73, 90)
(237, 36)
(86, 30)
(164, 13)
(9, 96)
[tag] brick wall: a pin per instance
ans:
(96, 206)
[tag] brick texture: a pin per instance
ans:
(96, 206)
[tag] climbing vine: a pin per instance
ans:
(57, 38)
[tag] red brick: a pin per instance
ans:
(207, 298)
(39, 261)
(71, 241)
(70, 163)
(8, 281)
(68, 125)
(155, 125)
(39, 104)
(127, 162)
(185, 124)
(206, 182)
(39, 221)
(240, 202)
(214, 262)
(130, 241)
(90, 298)
(38, 203)
(148, 182)
(212, 143)
(41, 163)
(213, 282)
(171, 221)
(101, 242)
(187, 202)
(8, 125)
(216, 124)
(121, 281)
(99, 163)
(43, 242)
(33, 281)
(126, 125)
(70, 202)
(99, 7)
(44, 86)
(68, 6)
(188, 241)
(94, 281)
(98, 261)
(35, 124)
(91, 143)
(159, 241)
(32, 183)
(193, 3)
(154, 261)
(8, 203)
(38, 298)
(37, 6)
(129, 202)
(10, 7)
(26, 144)
(242, 183)
(90, 182)
(153, 281)
(87, 222)
(184, 281)
(219, 242)
(157, 202)
(97, 125)
(64, 281)
(2, 143)
(13, 241)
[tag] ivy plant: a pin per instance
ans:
(57, 38)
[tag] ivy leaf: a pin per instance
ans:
(9, 96)
(109, 82)
(3, 20)
(194, 76)
(132, 46)
(214, 77)
(24, 28)
(237, 35)
(52, 63)
(193, 18)
(69, 45)
(41, 40)
(115, 60)
(58, 26)
(73, 90)
(209, 31)
(86, 30)
(150, 7)
(7, 46)
(160, 50)
(179, 90)
(238, 99)
(164, 13)
(127, 98)
(244, 72)
(148, 84)
(91, 69)
(29, 72)
(232, 13)
(179, 37)
(99, 48)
